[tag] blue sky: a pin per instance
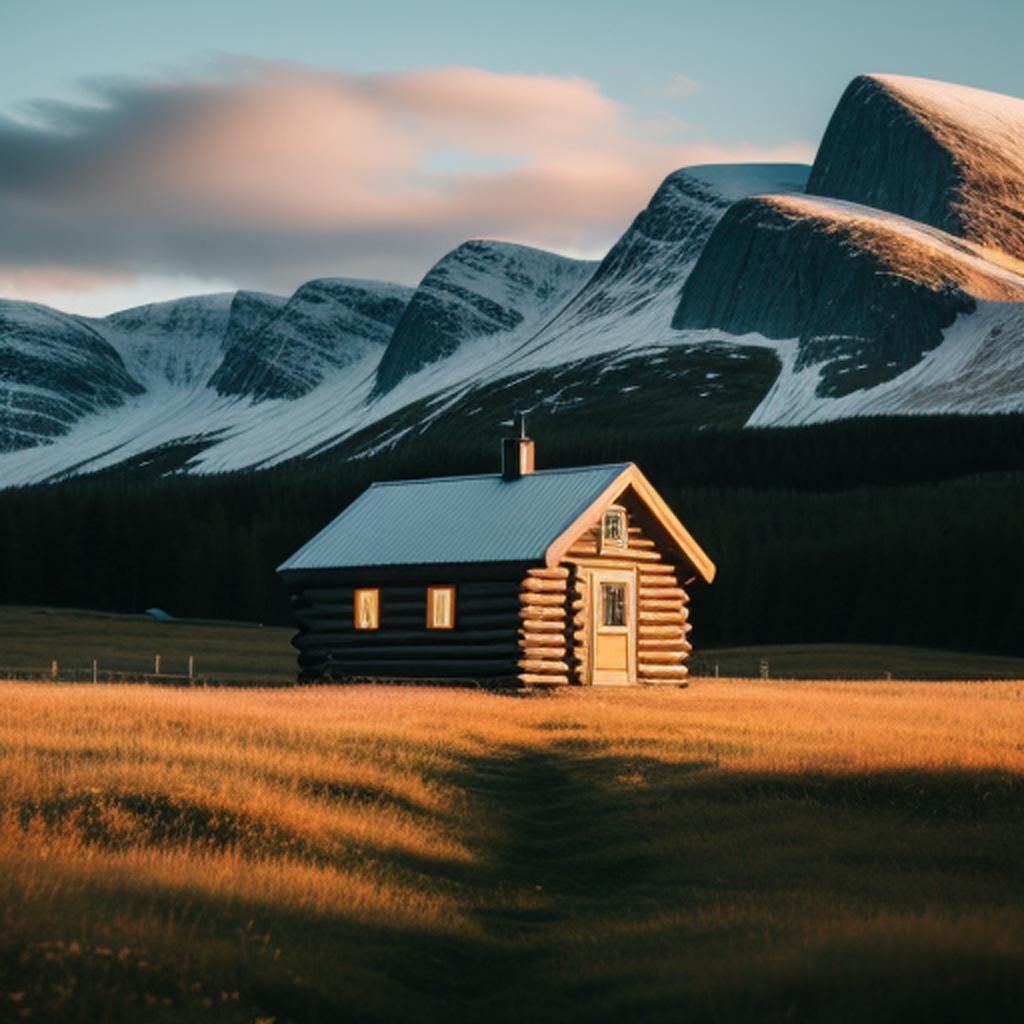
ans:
(662, 81)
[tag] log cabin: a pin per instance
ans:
(524, 577)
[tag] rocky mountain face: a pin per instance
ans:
(631, 296)
(54, 369)
(327, 325)
(57, 369)
(865, 295)
(249, 314)
(888, 278)
(942, 154)
(913, 217)
(482, 293)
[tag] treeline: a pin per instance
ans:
(890, 531)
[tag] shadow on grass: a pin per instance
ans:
(959, 795)
(221, 958)
(634, 888)
(606, 888)
(121, 821)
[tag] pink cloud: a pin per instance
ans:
(275, 172)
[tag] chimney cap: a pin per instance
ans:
(517, 423)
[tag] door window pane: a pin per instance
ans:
(613, 604)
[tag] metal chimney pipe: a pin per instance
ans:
(517, 452)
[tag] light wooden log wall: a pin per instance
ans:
(544, 646)
(661, 602)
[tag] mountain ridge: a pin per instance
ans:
(885, 279)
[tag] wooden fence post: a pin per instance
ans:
(95, 670)
(191, 666)
(54, 670)
(156, 664)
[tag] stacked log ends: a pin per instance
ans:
(662, 625)
(530, 640)
(554, 626)
(542, 679)
(541, 665)
(559, 572)
(662, 673)
(555, 614)
(542, 628)
(544, 585)
(532, 599)
(580, 625)
(533, 610)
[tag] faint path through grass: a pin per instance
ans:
(737, 852)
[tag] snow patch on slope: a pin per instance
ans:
(176, 343)
(978, 368)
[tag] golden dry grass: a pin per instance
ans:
(732, 851)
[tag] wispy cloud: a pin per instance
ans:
(680, 85)
(266, 174)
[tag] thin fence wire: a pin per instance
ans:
(172, 672)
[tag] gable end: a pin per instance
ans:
(631, 478)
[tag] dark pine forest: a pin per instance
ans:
(879, 530)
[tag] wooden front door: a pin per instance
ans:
(614, 627)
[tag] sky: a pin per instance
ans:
(153, 149)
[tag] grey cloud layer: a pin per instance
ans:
(271, 174)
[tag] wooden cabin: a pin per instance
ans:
(524, 577)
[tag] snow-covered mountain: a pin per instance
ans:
(864, 294)
(946, 155)
(54, 370)
(482, 293)
(633, 294)
(326, 326)
(882, 289)
(82, 393)
(888, 278)
(140, 335)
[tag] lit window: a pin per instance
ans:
(440, 607)
(613, 529)
(366, 608)
(613, 604)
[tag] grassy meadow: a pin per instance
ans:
(32, 637)
(854, 661)
(733, 851)
(245, 652)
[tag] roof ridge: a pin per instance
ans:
(490, 476)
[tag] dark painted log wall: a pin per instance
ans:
(483, 644)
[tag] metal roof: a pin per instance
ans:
(456, 519)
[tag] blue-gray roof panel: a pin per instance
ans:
(455, 519)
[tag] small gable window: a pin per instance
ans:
(440, 607)
(613, 529)
(366, 608)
